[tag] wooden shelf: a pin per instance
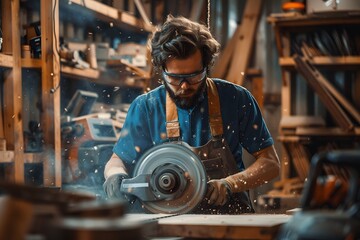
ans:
(313, 20)
(127, 67)
(108, 77)
(326, 132)
(106, 13)
(31, 63)
(338, 62)
(8, 157)
(8, 62)
(315, 96)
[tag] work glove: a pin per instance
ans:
(112, 187)
(218, 192)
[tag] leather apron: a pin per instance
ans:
(215, 155)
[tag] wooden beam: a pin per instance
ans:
(257, 84)
(142, 12)
(13, 100)
(6, 28)
(221, 66)
(16, 217)
(343, 61)
(8, 62)
(245, 43)
(332, 132)
(50, 115)
(196, 10)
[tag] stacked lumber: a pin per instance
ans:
(342, 111)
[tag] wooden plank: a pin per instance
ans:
(13, 101)
(142, 12)
(310, 74)
(244, 45)
(15, 218)
(285, 162)
(286, 95)
(8, 157)
(131, 7)
(108, 78)
(6, 28)
(257, 84)
(50, 82)
(246, 226)
(339, 97)
(326, 132)
(6, 48)
(196, 10)
(8, 61)
(306, 20)
(129, 68)
(300, 159)
(348, 61)
(31, 63)
(303, 121)
(221, 66)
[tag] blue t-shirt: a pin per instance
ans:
(144, 126)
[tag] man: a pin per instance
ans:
(184, 51)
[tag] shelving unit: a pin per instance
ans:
(346, 62)
(12, 107)
(51, 72)
(299, 129)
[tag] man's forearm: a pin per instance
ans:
(265, 168)
(114, 166)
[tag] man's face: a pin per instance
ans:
(186, 89)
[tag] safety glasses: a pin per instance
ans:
(178, 79)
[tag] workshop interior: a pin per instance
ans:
(70, 69)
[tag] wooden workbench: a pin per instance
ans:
(246, 226)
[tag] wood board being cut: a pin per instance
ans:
(245, 226)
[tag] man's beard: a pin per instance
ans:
(186, 103)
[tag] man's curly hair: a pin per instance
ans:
(180, 38)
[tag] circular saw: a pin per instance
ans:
(168, 178)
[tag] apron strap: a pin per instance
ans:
(216, 125)
(172, 119)
(215, 120)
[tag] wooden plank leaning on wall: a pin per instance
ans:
(245, 42)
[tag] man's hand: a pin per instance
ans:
(218, 192)
(112, 186)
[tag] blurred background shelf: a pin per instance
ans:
(325, 61)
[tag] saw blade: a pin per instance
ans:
(177, 154)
